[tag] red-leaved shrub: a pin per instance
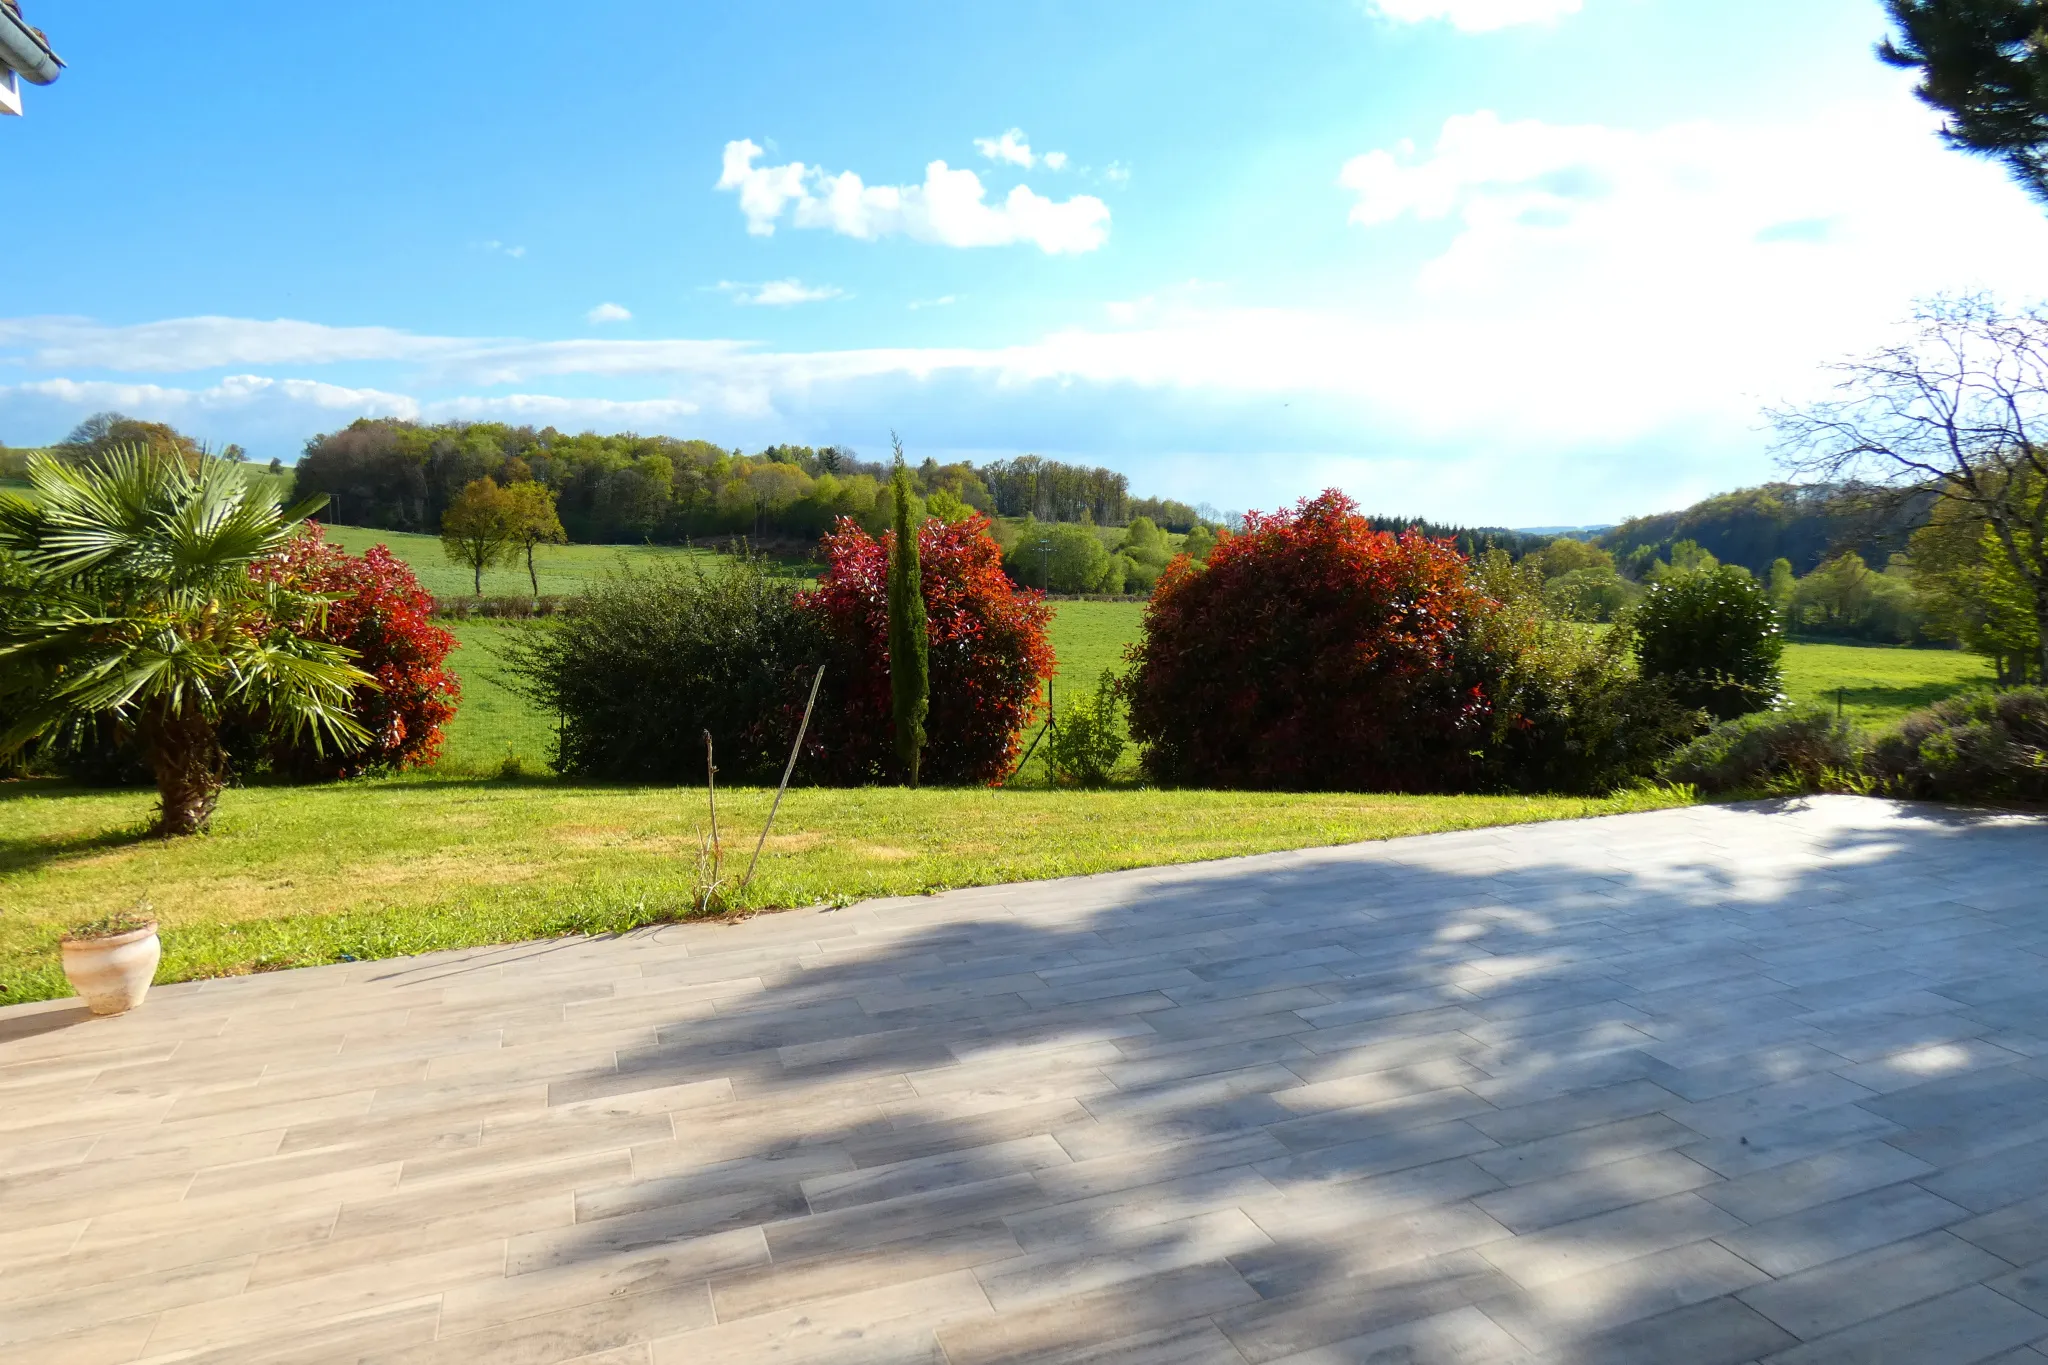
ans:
(1312, 653)
(380, 612)
(989, 656)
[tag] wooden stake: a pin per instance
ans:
(794, 750)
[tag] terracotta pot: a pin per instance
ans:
(113, 973)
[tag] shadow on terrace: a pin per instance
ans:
(1397, 1098)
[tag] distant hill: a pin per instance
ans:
(1754, 526)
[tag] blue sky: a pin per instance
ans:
(1503, 261)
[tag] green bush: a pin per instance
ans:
(1073, 559)
(1571, 713)
(656, 657)
(1982, 746)
(1777, 752)
(1140, 577)
(1590, 595)
(1090, 736)
(1712, 634)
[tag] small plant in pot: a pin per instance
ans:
(111, 961)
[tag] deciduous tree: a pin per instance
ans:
(478, 529)
(1960, 408)
(534, 522)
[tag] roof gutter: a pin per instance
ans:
(26, 50)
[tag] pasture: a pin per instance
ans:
(1877, 685)
(562, 569)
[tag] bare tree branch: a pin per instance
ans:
(1954, 412)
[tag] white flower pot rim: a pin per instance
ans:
(112, 940)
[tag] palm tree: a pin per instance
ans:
(130, 603)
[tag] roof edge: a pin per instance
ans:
(25, 49)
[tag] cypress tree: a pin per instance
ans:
(909, 643)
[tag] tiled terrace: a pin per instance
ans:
(1707, 1086)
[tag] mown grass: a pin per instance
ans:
(494, 723)
(562, 569)
(294, 877)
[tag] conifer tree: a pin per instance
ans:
(1984, 64)
(909, 646)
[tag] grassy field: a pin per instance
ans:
(563, 569)
(293, 877)
(1877, 686)
(493, 723)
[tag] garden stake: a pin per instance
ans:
(709, 849)
(1049, 725)
(794, 750)
(711, 786)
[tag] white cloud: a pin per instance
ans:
(779, 293)
(1011, 147)
(608, 312)
(950, 208)
(943, 301)
(1475, 16)
(1055, 161)
(1116, 173)
(503, 249)
(1732, 259)
(240, 391)
(205, 343)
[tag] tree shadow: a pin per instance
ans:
(1246, 1109)
(1900, 699)
(33, 853)
(16, 1026)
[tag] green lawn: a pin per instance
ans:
(297, 876)
(563, 569)
(1088, 637)
(493, 722)
(1876, 685)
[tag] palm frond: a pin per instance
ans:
(136, 599)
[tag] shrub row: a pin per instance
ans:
(1978, 747)
(1313, 652)
(652, 660)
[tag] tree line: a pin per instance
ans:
(405, 476)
